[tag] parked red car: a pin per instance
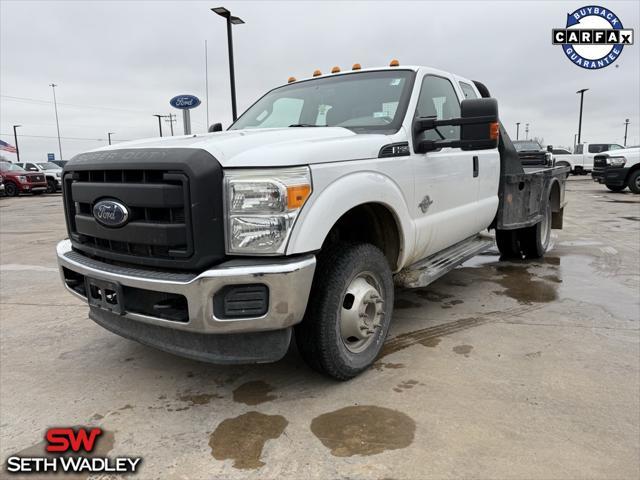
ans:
(17, 180)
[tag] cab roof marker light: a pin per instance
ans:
(335, 69)
(394, 63)
(291, 79)
(356, 66)
(317, 73)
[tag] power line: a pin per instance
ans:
(47, 102)
(66, 138)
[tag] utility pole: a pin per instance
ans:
(626, 125)
(206, 83)
(581, 92)
(170, 118)
(517, 130)
(109, 136)
(160, 117)
(15, 139)
(231, 20)
(526, 131)
(575, 136)
(55, 106)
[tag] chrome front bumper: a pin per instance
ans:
(288, 280)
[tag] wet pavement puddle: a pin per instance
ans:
(463, 349)
(363, 430)
(253, 393)
(242, 438)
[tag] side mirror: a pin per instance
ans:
(550, 148)
(216, 127)
(479, 127)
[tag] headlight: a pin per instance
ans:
(617, 161)
(58, 174)
(261, 207)
(22, 179)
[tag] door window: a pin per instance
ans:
(438, 99)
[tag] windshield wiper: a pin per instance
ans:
(306, 125)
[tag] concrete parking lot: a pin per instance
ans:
(498, 370)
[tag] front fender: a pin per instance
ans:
(325, 207)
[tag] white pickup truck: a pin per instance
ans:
(618, 169)
(581, 161)
(300, 217)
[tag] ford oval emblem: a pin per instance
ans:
(110, 213)
(184, 102)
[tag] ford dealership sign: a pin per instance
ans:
(185, 102)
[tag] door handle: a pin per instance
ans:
(476, 166)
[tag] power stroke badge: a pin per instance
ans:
(593, 37)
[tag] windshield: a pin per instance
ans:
(367, 101)
(10, 167)
(526, 146)
(48, 166)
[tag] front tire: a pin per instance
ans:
(634, 182)
(349, 311)
(51, 186)
(11, 190)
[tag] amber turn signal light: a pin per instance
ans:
(297, 195)
(494, 130)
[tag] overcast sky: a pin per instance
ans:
(119, 62)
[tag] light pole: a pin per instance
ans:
(159, 122)
(581, 92)
(517, 130)
(231, 20)
(575, 136)
(15, 139)
(55, 107)
(626, 125)
(109, 136)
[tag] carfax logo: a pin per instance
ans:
(593, 38)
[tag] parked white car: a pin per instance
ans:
(302, 215)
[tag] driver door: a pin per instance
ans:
(446, 189)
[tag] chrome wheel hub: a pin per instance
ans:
(361, 312)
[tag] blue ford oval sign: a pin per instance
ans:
(185, 102)
(110, 213)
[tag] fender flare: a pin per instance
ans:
(325, 208)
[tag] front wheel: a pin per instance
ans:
(51, 186)
(634, 182)
(10, 190)
(349, 311)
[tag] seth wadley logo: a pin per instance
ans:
(69, 443)
(593, 37)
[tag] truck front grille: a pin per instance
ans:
(600, 161)
(173, 198)
(158, 205)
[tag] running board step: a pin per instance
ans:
(426, 271)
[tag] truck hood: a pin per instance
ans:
(273, 147)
